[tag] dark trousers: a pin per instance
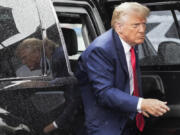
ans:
(130, 128)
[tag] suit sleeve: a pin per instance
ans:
(101, 73)
(72, 109)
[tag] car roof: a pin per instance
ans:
(106, 7)
(140, 1)
(170, 4)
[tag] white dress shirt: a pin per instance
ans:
(127, 48)
(55, 125)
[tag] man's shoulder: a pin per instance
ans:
(103, 42)
(104, 39)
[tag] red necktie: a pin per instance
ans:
(139, 116)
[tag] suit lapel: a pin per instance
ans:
(122, 57)
(120, 51)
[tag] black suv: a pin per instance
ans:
(159, 56)
(29, 100)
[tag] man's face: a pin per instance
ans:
(132, 30)
(30, 58)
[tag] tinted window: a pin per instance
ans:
(78, 30)
(55, 62)
(162, 46)
(30, 42)
(17, 22)
(82, 35)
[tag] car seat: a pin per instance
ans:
(169, 53)
(70, 38)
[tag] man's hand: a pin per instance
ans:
(154, 107)
(49, 128)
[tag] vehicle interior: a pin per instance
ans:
(78, 28)
(71, 45)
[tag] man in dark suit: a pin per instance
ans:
(109, 78)
(30, 52)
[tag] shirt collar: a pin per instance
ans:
(126, 46)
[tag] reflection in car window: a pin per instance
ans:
(163, 36)
(161, 32)
(22, 33)
(172, 32)
(54, 49)
(17, 22)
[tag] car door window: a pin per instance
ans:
(81, 21)
(17, 23)
(83, 35)
(162, 45)
(55, 62)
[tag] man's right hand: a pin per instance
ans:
(49, 128)
(154, 107)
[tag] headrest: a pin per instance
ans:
(70, 38)
(169, 52)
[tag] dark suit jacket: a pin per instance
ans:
(58, 63)
(104, 82)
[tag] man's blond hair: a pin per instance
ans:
(35, 44)
(126, 8)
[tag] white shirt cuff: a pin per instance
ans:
(139, 105)
(55, 125)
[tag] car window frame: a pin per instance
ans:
(164, 6)
(94, 21)
(61, 40)
(91, 10)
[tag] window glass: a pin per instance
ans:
(162, 46)
(81, 24)
(18, 22)
(55, 62)
(78, 33)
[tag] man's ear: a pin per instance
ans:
(118, 27)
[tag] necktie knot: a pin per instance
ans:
(132, 49)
